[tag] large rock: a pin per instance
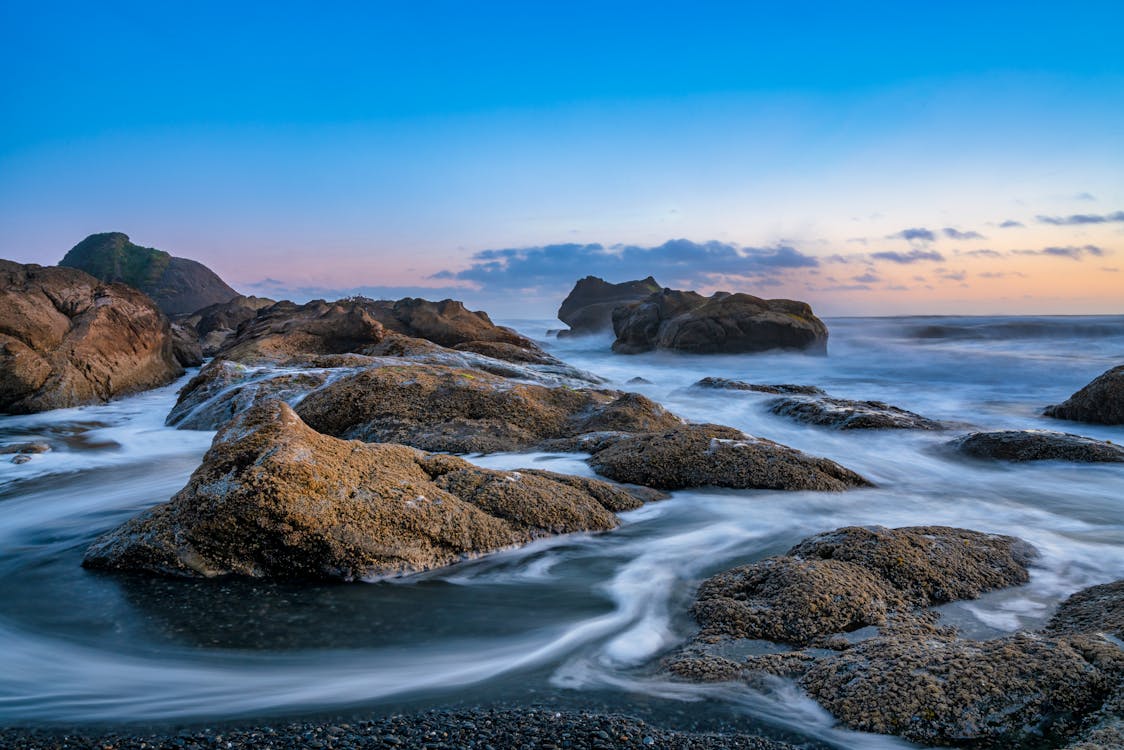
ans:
(68, 339)
(854, 577)
(721, 323)
(286, 330)
(1024, 690)
(177, 285)
(588, 308)
(1101, 402)
(215, 324)
(185, 345)
(700, 455)
(727, 384)
(466, 410)
(845, 414)
(274, 498)
(1097, 609)
(1037, 445)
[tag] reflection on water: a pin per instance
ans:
(582, 619)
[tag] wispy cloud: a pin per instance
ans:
(914, 234)
(1084, 197)
(676, 262)
(1011, 224)
(982, 252)
(867, 278)
(956, 234)
(913, 256)
(1078, 219)
(1073, 252)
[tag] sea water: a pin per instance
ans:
(575, 621)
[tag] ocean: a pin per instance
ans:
(575, 621)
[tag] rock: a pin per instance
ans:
(224, 389)
(854, 577)
(273, 498)
(24, 448)
(1037, 445)
(21, 458)
(588, 308)
(177, 285)
(725, 384)
(1022, 690)
(721, 323)
(1101, 401)
(216, 323)
(67, 339)
(845, 414)
(358, 325)
(701, 455)
(185, 346)
(461, 410)
(638, 381)
(1097, 609)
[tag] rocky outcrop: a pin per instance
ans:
(177, 285)
(701, 455)
(722, 323)
(588, 308)
(466, 410)
(726, 384)
(185, 346)
(1097, 609)
(285, 330)
(910, 677)
(1100, 402)
(216, 323)
(1037, 445)
(273, 498)
(68, 339)
(845, 414)
(854, 577)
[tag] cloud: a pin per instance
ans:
(982, 253)
(676, 262)
(867, 278)
(944, 273)
(1001, 274)
(1073, 252)
(1078, 219)
(916, 234)
(1084, 197)
(956, 234)
(913, 256)
(1011, 223)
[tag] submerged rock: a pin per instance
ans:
(67, 339)
(1100, 402)
(463, 411)
(721, 323)
(845, 414)
(177, 285)
(700, 455)
(854, 577)
(1037, 445)
(588, 308)
(273, 498)
(726, 384)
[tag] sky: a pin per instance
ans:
(869, 158)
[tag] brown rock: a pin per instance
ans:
(588, 308)
(700, 455)
(462, 411)
(185, 346)
(67, 339)
(1037, 445)
(216, 323)
(1097, 609)
(1101, 401)
(274, 498)
(721, 323)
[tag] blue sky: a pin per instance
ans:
(307, 149)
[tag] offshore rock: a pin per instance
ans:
(727, 384)
(588, 308)
(1100, 402)
(273, 498)
(722, 323)
(845, 414)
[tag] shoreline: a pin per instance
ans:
(435, 729)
